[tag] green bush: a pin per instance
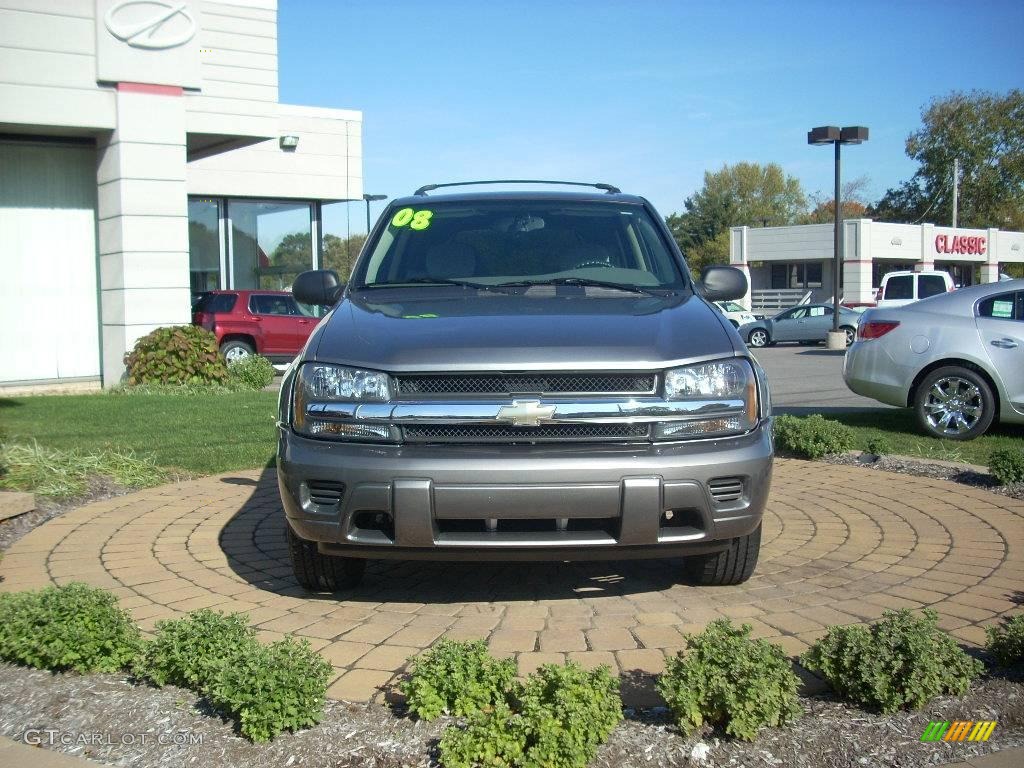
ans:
(726, 679)
(813, 436)
(1006, 642)
(190, 652)
(1007, 465)
(878, 446)
(177, 354)
(557, 718)
(456, 678)
(74, 627)
(902, 661)
(275, 688)
(251, 372)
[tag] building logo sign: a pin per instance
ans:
(151, 24)
(959, 244)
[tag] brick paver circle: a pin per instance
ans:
(841, 545)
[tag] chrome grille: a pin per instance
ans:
(525, 383)
(499, 433)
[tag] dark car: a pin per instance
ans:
(268, 323)
(807, 323)
(523, 376)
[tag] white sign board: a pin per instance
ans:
(148, 41)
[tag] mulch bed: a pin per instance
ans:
(965, 474)
(115, 713)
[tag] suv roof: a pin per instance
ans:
(600, 197)
(246, 291)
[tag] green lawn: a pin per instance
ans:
(200, 434)
(899, 429)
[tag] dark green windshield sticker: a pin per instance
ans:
(413, 219)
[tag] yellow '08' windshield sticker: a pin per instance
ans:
(407, 217)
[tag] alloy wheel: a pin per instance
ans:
(953, 405)
(235, 354)
(758, 338)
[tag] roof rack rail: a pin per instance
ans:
(611, 190)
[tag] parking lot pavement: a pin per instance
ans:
(809, 380)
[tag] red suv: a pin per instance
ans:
(270, 323)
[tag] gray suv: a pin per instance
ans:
(523, 376)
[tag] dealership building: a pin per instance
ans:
(790, 264)
(144, 157)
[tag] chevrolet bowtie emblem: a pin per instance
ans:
(525, 413)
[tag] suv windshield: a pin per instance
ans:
(520, 243)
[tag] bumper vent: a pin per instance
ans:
(325, 492)
(726, 489)
(510, 434)
(527, 383)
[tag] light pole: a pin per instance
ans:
(831, 134)
(368, 199)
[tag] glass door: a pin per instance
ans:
(271, 242)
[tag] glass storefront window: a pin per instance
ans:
(271, 243)
(802, 274)
(203, 245)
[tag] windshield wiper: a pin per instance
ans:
(584, 281)
(434, 281)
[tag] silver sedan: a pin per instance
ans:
(957, 359)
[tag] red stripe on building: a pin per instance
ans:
(159, 90)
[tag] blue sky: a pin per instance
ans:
(644, 94)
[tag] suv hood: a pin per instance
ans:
(426, 329)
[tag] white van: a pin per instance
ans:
(899, 288)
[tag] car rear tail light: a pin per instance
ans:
(875, 329)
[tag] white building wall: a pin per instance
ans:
(326, 165)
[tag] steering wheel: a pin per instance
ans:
(585, 264)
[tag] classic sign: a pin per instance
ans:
(959, 244)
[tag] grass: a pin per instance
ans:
(898, 427)
(197, 434)
(65, 474)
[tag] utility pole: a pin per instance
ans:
(956, 187)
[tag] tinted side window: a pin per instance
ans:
(930, 285)
(217, 303)
(901, 287)
(1007, 306)
(272, 305)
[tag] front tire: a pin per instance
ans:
(322, 573)
(954, 403)
(758, 338)
(733, 565)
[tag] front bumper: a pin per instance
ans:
(524, 502)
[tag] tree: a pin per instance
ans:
(745, 193)
(984, 131)
(854, 196)
(340, 253)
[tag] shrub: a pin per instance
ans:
(177, 354)
(901, 661)
(64, 474)
(557, 718)
(456, 678)
(1007, 465)
(191, 651)
(271, 689)
(813, 436)
(726, 679)
(1006, 642)
(251, 372)
(878, 446)
(74, 627)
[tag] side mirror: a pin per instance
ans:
(722, 283)
(319, 287)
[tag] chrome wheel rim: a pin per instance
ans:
(235, 354)
(758, 339)
(849, 336)
(953, 405)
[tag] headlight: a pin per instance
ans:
(318, 385)
(724, 394)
